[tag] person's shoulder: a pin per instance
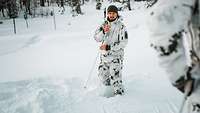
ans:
(120, 20)
(121, 23)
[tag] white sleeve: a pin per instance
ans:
(99, 35)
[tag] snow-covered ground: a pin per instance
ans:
(44, 71)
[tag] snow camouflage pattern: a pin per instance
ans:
(111, 61)
(178, 44)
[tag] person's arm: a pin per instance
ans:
(99, 34)
(122, 39)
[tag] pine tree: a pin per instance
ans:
(12, 9)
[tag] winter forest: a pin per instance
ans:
(58, 56)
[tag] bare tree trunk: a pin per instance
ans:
(78, 7)
(28, 7)
(129, 5)
(21, 4)
(62, 3)
(34, 7)
(2, 11)
(57, 1)
(83, 2)
(3, 6)
(42, 3)
(48, 2)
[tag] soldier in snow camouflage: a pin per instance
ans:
(113, 37)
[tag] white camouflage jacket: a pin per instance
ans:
(116, 38)
(174, 35)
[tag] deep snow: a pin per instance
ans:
(43, 70)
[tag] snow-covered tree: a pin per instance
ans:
(175, 28)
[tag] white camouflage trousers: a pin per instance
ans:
(110, 71)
